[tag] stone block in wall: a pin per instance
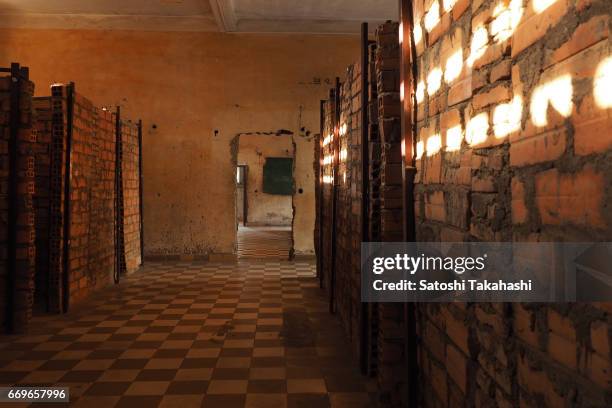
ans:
(534, 26)
(457, 210)
(570, 198)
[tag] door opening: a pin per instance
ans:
(264, 196)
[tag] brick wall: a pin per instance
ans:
(513, 141)
(514, 144)
(131, 195)
(18, 208)
(92, 199)
(42, 199)
(391, 337)
(384, 334)
(42, 153)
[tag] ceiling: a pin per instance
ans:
(304, 16)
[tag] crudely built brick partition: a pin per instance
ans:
(514, 144)
(44, 133)
(385, 332)
(92, 195)
(22, 284)
(131, 195)
(391, 333)
(345, 137)
(92, 249)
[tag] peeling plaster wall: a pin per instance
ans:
(265, 209)
(188, 85)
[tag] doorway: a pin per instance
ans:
(242, 209)
(264, 196)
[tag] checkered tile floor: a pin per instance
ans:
(251, 334)
(264, 242)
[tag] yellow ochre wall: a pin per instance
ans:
(184, 86)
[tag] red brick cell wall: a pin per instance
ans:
(346, 139)
(384, 335)
(42, 199)
(514, 142)
(131, 195)
(57, 171)
(42, 141)
(391, 337)
(23, 274)
(92, 192)
(92, 195)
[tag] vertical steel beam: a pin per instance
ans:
(365, 187)
(140, 192)
(320, 195)
(407, 80)
(336, 154)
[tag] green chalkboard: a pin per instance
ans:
(278, 176)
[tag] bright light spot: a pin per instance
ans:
(420, 92)
(343, 129)
(480, 39)
(500, 26)
(418, 33)
(454, 136)
(419, 149)
(506, 19)
(328, 179)
(402, 91)
(541, 5)
(477, 129)
(328, 160)
(328, 139)
(434, 144)
(454, 64)
(603, 84)
(539, 106)
(401, 33)
(344, 177)
(558, 93)
(432, 18)
(561, 92)
(507, 117)
(434, 80)
(448, 4)
(343, 155)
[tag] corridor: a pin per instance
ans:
(251, 334)
(306, 203)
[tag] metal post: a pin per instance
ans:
(140, 192)
(336, 153)
(407, 79)
(365, 187)
(119, 206)
(320, 195)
